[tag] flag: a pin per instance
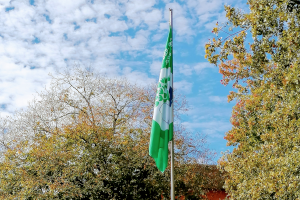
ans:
(162, 122)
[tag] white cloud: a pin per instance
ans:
(164, 26)
(152, 18)
(58, 7)
(183, 86)
(155, 68)
(214, 128)
(181, 23)
(135, 6)
(200, 109)
(186, 70)
(156, 52)
(207, 12)
(142, 11)
(218, 99)
(19, 83)
(205, 6)
(62, 36)
(139, 41)
(157, 37)
(199, 67)
(77, 31)
(220, 20)
(137, 77)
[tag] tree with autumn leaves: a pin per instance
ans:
(259, 53)
(86, 137)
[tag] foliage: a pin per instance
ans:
(82, 162)
(264, 68)
(86, 137)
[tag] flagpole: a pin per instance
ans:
(172, 141)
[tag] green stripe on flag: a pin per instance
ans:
(159, 150)
(168, 56)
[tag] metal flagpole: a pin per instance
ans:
(172, 141)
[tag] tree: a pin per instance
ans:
(261, 57)
(81, 162)
(86, 137)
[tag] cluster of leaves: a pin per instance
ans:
(87, 137)
(81, 162)
(265, 68)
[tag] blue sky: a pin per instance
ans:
(121, 38)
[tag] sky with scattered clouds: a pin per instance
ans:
(121, 38)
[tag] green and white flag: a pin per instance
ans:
(162, 123)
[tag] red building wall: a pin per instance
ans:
(216, 195)
(211, 195)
